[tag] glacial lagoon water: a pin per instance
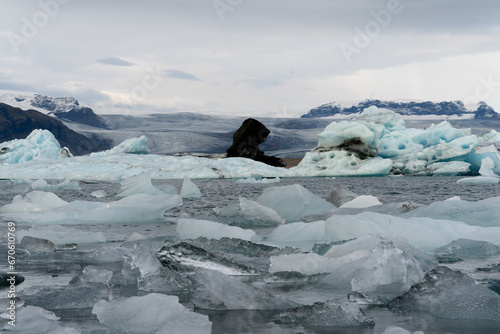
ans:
(55, 273)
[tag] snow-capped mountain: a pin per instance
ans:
(64, 108)
(424, 109)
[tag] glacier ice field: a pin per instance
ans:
(124, 241)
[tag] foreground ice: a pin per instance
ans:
(451, 294)
(39, 207)
(216, 291)
(293, 202)
(381, 268)
(337, 312)
(34, 320)
(152, 313)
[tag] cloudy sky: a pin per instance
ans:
(251, 57)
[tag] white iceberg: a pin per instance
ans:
(152, 313)
(250, 213)
(140, 184)
(361, 202)
(129, 146)
(40, 144)
(67, 184)
(486, 172)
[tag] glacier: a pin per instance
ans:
(374, 143)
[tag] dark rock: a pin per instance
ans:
(5, 279)
(246, 141)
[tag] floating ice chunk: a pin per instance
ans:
(37, 245)
(293, 202)
(335, 134)
(61, 235)
(426, 233)
(136, 236)
(302, 235)
(481, 213)
(436, 134)
(338, 312)
(34, 202)
(340, 195)
(450, 294)
(158, 314)
(34, 319)
(189, 189)
(449, 168)
(454, 198)
(216, 291)
(140, 184)
(479, 180)
(487, 174)
(254, 180)
(376, 266)
(131, 146)
(467, 249)
(194, 228)
(251, 213)
(67, 184)
(307, 264)
(361, 202)
(40, 144)
(46, 208)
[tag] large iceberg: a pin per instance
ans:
(40, 144)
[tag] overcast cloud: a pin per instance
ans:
(251, 57)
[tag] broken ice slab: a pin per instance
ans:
(152, 313)
(195, 228)
(67, 184)
(37, 245)
(61, 235)
(46, 208)
(250, 213)
(217, 291)
(336, 312)
(462, 249)
(183, 256)
(293, 202)
(94, 274)
(73, 296)
(450, 294)
(34, 320)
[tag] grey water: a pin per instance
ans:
(222, 192)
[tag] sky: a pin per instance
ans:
(251, 57)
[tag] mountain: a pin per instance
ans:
(16, 123)
(67, 108)
(412, 108)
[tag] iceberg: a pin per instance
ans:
(293, 202)
(34, 319)
(128, 146)
(47, 208)
(486, 172)
(40, 144)
(158, 314)
(361, 202)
